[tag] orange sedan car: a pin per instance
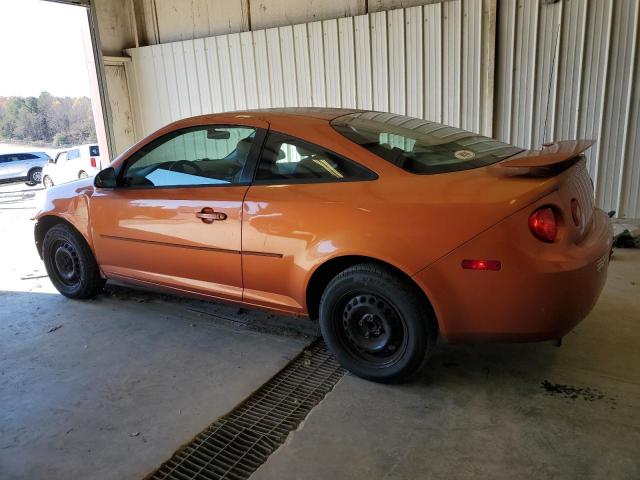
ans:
(390, 230)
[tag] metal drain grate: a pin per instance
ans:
(237, 444)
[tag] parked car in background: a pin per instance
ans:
(22, 167)
(392, 231)
(78, 162)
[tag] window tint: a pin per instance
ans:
(288, 159)
(420, 146)
(73, 154)
(195, 156)
(94, 151)
(27, 156)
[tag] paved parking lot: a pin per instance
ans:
(109, 388)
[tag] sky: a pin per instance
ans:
(41, 49)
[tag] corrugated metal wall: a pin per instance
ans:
(570, 69)
(407, 61)
(564, 69)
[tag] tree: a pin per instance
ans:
(47, 120)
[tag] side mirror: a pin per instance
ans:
(106, 178)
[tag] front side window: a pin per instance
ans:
(420, 146)
(206, 155)
(287, 159)
(73, 154)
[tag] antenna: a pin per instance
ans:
(556, 42)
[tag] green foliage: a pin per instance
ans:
(58, 121)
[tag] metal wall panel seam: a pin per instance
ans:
(627, 108)
(630, 206)
(602, 94)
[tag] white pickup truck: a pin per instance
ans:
(78, 162)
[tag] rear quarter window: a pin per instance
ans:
(94, 151)
(420, 146)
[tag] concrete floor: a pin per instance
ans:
(487, 411)
(111, 387)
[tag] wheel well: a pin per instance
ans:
(328, 270)
(42, 227)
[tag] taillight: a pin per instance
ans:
(543, 224)
(93, 162)
(575, 212)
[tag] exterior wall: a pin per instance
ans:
(407, 61)
(123, 128)
(569, 70)
(565, 69)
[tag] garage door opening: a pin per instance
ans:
(51, 113)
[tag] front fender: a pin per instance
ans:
(68, 202)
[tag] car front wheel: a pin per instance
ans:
(377, 323)
(70, 263)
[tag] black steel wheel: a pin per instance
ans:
(377, 323)
(70, 263)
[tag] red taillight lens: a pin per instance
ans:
(481, 264)
(576, 213)
(93, 162)
(543, 224)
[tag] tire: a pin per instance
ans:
(377, 323)
(70, 263)
(35, 176)
(82, 174)
(47, 182)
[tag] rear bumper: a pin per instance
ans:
(541, 292)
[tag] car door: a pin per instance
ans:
(301, 196)
(56, 169)
(175, 218)
(71, 167)
(4, 164)
(13, 166)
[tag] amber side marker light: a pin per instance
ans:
(481, 265)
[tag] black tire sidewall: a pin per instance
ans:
(32, 172)
(407, 303)
(85, 288)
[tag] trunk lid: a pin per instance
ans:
(565, 161)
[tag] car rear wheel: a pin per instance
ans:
(70, 263)
(82, 174)
(47, 182)
(35, 176)
(376, 323)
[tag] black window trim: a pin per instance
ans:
(371, 175)
(245, 177)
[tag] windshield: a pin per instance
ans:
(419, 146)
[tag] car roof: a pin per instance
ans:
(274, 114)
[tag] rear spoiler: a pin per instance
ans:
(550, 155)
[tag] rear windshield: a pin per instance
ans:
(94, 151)
(419, 146)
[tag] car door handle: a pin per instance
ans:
(207, 215)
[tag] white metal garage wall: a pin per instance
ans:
(407, 61)
(573, 66)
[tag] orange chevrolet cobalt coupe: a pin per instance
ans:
(390, 230)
